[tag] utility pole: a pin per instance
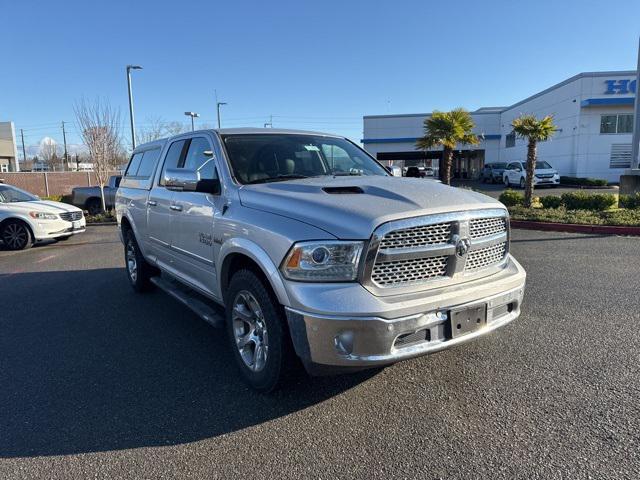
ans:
(24, 152)
(269, 123)
(64, 140)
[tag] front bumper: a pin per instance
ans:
(51, 229)
(546, 181)
(366, 341)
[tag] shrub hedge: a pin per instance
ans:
(585, 182)
(629, 201)
(588, 201)
(511, 198)
(551, 201)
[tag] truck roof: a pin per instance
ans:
(237, 131)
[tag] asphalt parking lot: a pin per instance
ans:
(96, 381)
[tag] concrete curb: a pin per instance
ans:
(575, 228)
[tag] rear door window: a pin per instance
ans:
(134, 164)
(148, 163)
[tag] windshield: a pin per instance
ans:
(498, 165)
(542, 165)
(261, 158)
(9, 194)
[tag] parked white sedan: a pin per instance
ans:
(516, 174)
(25, 219)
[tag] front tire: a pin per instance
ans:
(16, 235)
(139, 272)
(522, 183)
(257, 333)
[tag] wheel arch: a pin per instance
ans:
(242, 253)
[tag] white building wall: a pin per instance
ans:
(577, 149)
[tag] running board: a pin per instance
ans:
(209, 313)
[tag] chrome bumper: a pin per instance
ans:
(340, 341)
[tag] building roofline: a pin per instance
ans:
(494, 110)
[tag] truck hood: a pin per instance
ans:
(44, 206)
(332, 204)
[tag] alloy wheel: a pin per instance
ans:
(15, 236)
(132, 263)
(250, 331)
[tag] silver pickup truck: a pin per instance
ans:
(89, 198)
(301, 245)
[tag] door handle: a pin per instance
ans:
(176, 208)
(152, 203)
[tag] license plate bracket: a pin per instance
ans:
(468, 320)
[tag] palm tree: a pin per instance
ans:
(534, 130)
(447, 129)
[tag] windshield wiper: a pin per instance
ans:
(290, 176)
(356, 173)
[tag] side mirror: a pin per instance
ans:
(183, 180)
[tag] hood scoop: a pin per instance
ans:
(343, 190)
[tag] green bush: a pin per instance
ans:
(629, 201)
(625, 217)
(58, 198)
(551, 201)
(511, 198)
(584, 182)
(588, 201)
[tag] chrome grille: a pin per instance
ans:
(409, 272)
(483, 227)
(417, 236)
(485, 257)
(437, 250)
(71, 216)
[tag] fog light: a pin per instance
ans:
(344, 342)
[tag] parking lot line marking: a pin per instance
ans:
(44, 259)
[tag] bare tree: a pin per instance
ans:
(99, 127)
(48, 152)
(174, 128)
(153, 129)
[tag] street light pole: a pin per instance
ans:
(192, 115)
(131, 117)
(218, 105)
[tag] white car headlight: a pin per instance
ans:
(43, 216)
(323, 261)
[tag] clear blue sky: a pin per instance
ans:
(313, 65)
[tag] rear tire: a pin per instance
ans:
(506, 182)
(139, 272)
(94, 206)
(16, 235)
(257, 332)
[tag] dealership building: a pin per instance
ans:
(593, 113)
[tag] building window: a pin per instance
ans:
(510, 140)
(622, 123)
(4, 168)
(620, 155)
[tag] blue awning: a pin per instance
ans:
(595, 102)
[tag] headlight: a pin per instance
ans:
(43, 216)
(328, 261)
